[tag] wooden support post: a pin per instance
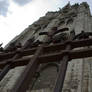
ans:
(62, 72)
(61, 75)
(26, 77)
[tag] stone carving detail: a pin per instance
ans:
(60, 37)
(69, 21)
(61, 23)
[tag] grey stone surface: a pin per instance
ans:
(79, 72)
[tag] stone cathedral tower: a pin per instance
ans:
(72, 18)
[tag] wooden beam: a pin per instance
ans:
(74, 54)
(5, 56)
(82, 53)
(61, 74)
(46, 49)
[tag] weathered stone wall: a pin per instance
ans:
(79, 71)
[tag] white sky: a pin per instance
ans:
(20, 16)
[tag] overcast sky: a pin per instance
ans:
(16, 15)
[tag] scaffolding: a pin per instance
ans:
(60, 52)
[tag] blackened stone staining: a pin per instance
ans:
(83, 35)
(43, 33)
(56, 35)
(72, 34)
(60, 38)
(37, 74)
(69, 21)
(85, 4)
(1, 48)
(19, 45)
(43, 26)
(31, 42)
(11, 47)
(62, 30)
(37, 43)
(72, 14)
(1, 44)
(66, 8)
(54, 31)
(65, 11)
(61, 23)
(75, 6)
(74, 84)
(67, 90)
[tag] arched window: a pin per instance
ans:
(47, 76)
